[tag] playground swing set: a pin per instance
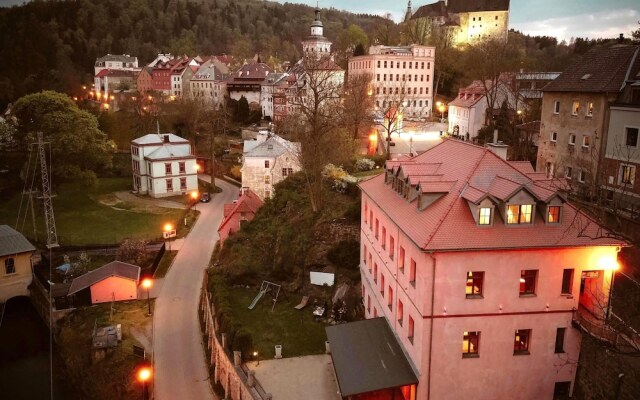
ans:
(266, 287)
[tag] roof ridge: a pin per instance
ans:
(619, 67)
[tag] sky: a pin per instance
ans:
(563, 19)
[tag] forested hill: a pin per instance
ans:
(54, 44)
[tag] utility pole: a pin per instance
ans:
(50, 221)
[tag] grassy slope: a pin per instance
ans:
(81, 219)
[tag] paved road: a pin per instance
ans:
(179, 358)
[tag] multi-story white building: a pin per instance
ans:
(163, 165)
(112, 70)
(401, 76)
(479, 266)
(208, 84)
(247, 83)
(266, 161)
(123, 62)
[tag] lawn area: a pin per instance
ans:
(112, 377)
(84, 215)
(295, 330)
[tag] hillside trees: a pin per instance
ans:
(78, 148)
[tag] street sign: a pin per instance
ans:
(169, 234)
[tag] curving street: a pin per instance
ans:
(179, 359)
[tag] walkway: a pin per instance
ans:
(179, 358)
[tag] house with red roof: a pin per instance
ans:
(238, 213)
(482, 268)
(247, 82)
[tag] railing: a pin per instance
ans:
(594, 327)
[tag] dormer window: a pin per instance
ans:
(553, 215)
(519, 214)
(485, 216)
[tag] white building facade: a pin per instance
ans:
(163, 165)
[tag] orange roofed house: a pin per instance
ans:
(238, 212)
(479, 266)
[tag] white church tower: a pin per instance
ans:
(316, 43)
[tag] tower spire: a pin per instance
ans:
(409, 12)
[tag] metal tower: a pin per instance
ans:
(52, 235)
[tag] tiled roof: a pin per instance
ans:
(432, 10)
(154, 138)
(13, 242)
(248, 202)
(114, 268)
(250, 72)
(447, 223)
(117, 57)
(462, 6)
(274, 146)
(227, 209)
(166, 152)
(599, 70)
(208, 72)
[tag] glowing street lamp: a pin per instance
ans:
(144, 375)
(609, 263)
(441, 108)
(147, 283)
(257, 356)
(194, 196)
(106, 106)
(168, 228)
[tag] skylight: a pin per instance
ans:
(585, 77)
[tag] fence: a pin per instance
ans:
(238, 383)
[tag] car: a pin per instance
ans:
(205, 198)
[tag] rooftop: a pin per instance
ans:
(248, 202)
(114, 268)
(13, 242)
(159, 138)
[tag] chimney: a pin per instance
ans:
(621, 39)
(495, 136)
(166, 138)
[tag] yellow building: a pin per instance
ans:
(15, 264)
(467, 20)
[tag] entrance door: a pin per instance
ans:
(591, 295)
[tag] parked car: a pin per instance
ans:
(205, 198)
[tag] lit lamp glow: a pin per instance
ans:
(144, 375)
(168, 228)
(147, 283)
(609, 263)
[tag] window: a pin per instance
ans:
(560, 340)
(590, 109)
(410, 330)
(382, 284)
(582, 176)
(267, 179)
(364, 255)
(167, 168)
(400, 312)
(9, 266)
(390, 298)
(392, 245)
(377, 226)
(368, 303)
(567, 281)
(627, 174)
(183, 183)
(575, 108)
(528, 282)
(553, 214)
(375, 312)
(135, 150)
(401, 261)
(556, 107)
(370, 261)
(568, 172)
(554, 137)
(412, 273)
(169, 185)
(371, 220)
(631, 137)
(289, 171)
(572, 139)
(519, 214)
(485, 216)
(266, 163)
(182, 168)
(585, 141)
(521, 342)
(384, 237)
(385, 64)
(378, 75)
(470, 344)
(378, 63)
(475, 281)
(375, 272)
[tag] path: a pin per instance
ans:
(179, 359)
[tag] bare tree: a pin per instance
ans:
(357, 110)
(390, 110)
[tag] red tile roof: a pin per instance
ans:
(475, 173)
(248, 202)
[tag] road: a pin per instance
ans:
(179, 359)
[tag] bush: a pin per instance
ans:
(243, 342)
(365, 164)
(345, 254)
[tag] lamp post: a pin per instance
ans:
(144, 375)
(147, 283)
(194, 196)
(610, 264)
(168, 228)
(441, 108)
(257, 356)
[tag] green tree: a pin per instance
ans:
(78, 148)
(242, 115)
(347, 42)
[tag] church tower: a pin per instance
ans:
(409, 12)
(316, 43)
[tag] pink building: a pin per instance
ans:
(480, 266)
(116, 281)
(237, 213)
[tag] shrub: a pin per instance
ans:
(345, 254)
(365, 164)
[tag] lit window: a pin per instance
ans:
(9, 266)
(475, 281)
(410, 330)
(470, 344)
(589, 109)
(519, 214)
(627, 174)
(528, 281)
(267, 179)
(521, 342)
(553, 216)
(485, 216)
(575, 108)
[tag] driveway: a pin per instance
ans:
(179, 359)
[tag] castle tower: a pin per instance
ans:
(316, 43)
(409, 13)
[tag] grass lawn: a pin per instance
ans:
(114, 376)
(295, 330)
(364, 174)
(165, 263)
(83, 217)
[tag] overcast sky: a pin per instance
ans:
(560, 18)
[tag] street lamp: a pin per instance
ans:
(144, 375)
(194, 196)
(168, 228)
(257, 356)
(441, 108)
(609, 263)
(147, 283)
